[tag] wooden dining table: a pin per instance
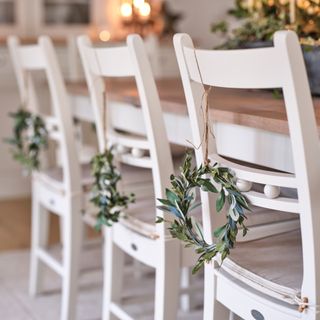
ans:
(250, 125)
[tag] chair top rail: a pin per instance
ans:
(110, 62)
(32, 57)
(240, 69)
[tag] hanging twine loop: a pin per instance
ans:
(206, 131)
(104, 105)
(104, 115)
(205, 114)
(303, 304)
(25, 92)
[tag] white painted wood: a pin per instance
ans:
(263, 230)
(265, 148)
(50, 261)
(228, 68)
(151, 245)
(113, 261)
(186, 300)
(39, 238)
(281, 66)
(282, 203)
(65, 197)
(257, 175)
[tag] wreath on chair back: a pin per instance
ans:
(105, 193)
(209, 178)
(106, 196)
(180, 201)
(29, 138)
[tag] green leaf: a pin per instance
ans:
(171, 196)
(219, 232)
(165, 202)
(220, 201)
(194, 206)
(207, 186)
(159, 220)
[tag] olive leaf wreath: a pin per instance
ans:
(180, 201)
(105, 194)
(30, 136)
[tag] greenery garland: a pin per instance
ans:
(264, 17)
(105, 193)
(180, 201)
(29, 137)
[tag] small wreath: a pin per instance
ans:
(180, 201)
(106, 196)
(29, 138)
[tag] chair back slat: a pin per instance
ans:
(280, 204)
(257, 175)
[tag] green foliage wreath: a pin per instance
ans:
(180, 201)
(106, 196)
(29, 138)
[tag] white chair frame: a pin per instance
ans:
(63, 198)
(154, 248)
(281, 66)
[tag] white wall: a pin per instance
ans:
(198, 17)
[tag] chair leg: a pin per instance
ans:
(213, 309)
(61, 229)
(39, 239)
(71, 257)
(168, 282)
(186, 298)
(113, 262)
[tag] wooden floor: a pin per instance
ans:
(15, 225)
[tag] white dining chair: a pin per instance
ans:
(59, 189)
(137, 235)
(275, 276)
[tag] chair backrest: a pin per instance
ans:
(130, 61)
(281, 66)
(41, 57)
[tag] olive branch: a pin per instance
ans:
(29, 138)
(105, 194)
(181, 200)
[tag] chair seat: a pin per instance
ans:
(271, 265)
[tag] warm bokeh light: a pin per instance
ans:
(138, 3)
(104, 35)
(126, 9)
(145, 9)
